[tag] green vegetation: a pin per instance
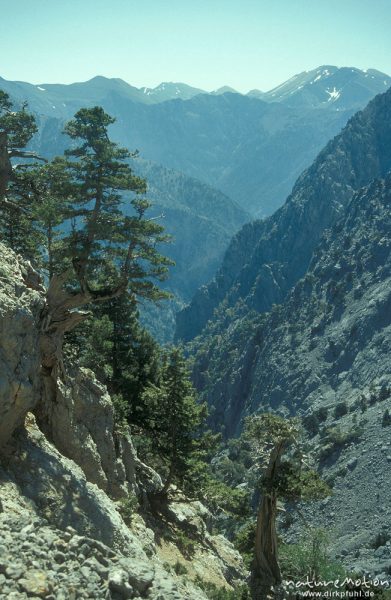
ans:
(128, 507)
(312, 421)
(245, 541)
(18, 219)
(213, 592)
(386, 420)
(334, 439)
(285, 475)
(380, 539)
(185, 544)
(180, 568)
(310, 557)
(341, 409)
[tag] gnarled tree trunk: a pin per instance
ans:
(5, 165)
(266, 570)
(59, 315)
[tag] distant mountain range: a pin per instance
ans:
(328, 84)
(251, 149)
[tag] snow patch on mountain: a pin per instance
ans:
(333, 95)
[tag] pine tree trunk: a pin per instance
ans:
(5, 165)
(61, 314)
(58, 316)
(266, 570)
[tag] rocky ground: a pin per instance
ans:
(43, 556)
(38, 561)
(63, 538)
(357, 515)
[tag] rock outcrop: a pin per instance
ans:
(20, 306)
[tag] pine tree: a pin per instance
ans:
(128, 355)
(107, 253)
(103, 240)
(17, 221)
(17, 127)
(52, 195)
(175, 420)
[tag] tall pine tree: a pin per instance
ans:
(107, 252)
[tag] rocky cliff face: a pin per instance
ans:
(324, 354)
(20, 305)
(267, 258)
(64, 500)
(323, 336)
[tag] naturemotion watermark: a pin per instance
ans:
(349, 587)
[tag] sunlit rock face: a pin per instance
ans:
(21, 301)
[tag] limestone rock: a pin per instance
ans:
(82, 428)
(20, 306)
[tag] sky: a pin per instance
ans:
(245, 44)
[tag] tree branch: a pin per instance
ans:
(14, 153)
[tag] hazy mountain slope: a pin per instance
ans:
(250, 150)
(63, 100)
(263, 273)
(169, 90)
(201, 220)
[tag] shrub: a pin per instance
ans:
(336, 439)
(213, 592)
(180, 568)
(380, 539)
(341, 409)
(310, 558)
(362, 403)
(312, 421)
(127, 508)
(244, 542)
(311, 424)
(386, 420)
(121, 412)
(322, 413)
(185, 544)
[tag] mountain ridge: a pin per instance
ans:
(170, 90)
(251, 149)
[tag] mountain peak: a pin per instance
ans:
(169, 90)
(225, 89)
(328, 84)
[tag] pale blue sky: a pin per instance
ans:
(206, 43)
